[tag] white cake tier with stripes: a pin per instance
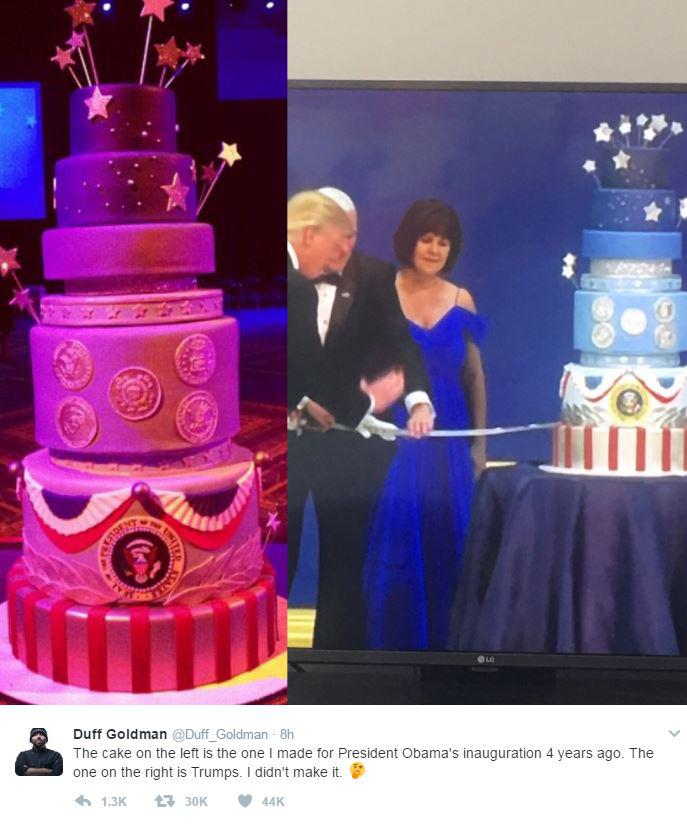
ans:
(620, 450)
(624, 396)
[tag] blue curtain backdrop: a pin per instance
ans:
(22, 191)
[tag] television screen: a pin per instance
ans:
(570, 203)
(22, 187)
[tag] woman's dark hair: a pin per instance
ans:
(427, 216)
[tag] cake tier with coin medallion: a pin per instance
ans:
(143, 562)
(624, 406)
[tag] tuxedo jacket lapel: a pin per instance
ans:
(345, 295)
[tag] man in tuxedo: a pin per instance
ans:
(350, 357)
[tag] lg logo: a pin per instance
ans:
(486, 660)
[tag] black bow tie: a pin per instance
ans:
(332, 278)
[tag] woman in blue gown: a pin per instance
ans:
(418, 531)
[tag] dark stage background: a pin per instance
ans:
(510, 163)
(247, 206)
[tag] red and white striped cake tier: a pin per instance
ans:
(141, 649)
(622, 450)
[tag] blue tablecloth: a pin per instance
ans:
(574, 564)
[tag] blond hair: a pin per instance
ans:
(311, 208)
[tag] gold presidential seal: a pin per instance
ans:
(141, 559)
(629, 402)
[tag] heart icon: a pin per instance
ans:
(245, 799)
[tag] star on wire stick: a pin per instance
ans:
(207, 175)
(568, 271)
(273, 524)
(675, 129)
(8, 261)
(176, 193)
(97, 104)
(229, 155)
(152, 8)
(81, 13)
(658, 123)
(649, 135)
(78, 42)
(8, 267)
(625, 127)
(589, 167)
(641, 122)
(683, 212)
(602, 133)
(192, 54)
(168, 55)
(621, 160)
(64, 59)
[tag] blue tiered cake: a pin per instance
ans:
(625, 404)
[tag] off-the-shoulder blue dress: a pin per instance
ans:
(418, 531)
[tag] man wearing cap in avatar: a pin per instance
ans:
(39, 761)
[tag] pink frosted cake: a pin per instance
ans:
(143, 565)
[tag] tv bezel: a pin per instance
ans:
(485, 659)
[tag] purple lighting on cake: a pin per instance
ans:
(141, 513)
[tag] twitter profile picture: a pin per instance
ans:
(39, 760)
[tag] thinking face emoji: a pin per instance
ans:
(357, 769)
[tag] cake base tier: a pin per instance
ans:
(153, 250)
(623, 451)
(141, 649)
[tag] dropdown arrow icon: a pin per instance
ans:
(673, 733)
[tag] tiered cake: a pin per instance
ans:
(143, 566)
(625, 403)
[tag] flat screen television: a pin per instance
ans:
(22, 186)
(601, 590)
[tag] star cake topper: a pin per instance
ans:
(169, 53)
(193, 53)
(273, 521)
(22, 300)
(97, 104)
(176, 193)
(603, 133)
(156, 7)
(621, 160)
(81, 13)
(659, 123)
(229, 153)
(63, 58)
(77, 40)
(208, 173)
(8, 261)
